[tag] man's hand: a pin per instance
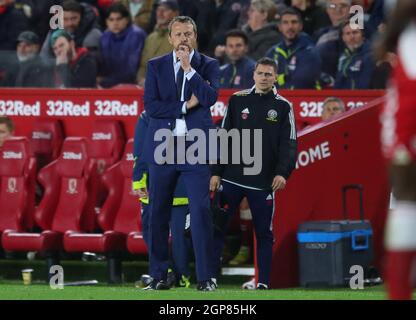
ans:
(183, 53)
(62, 57)
(219, 51)
(142, 193)
(214, 183)
(140, 83)
(279, 183)
(193, 102)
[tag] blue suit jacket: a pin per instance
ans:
(161, 101)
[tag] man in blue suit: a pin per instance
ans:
(180, 87)
(179, 275)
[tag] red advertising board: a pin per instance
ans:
(78, 108)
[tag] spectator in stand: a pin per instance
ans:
(356, 64)
(75, 67)
(36, 11)
(100, 7)
(29, 70)
(121, 47)
(157, 43)
(261, 29)
(313, 16)
(331, 107)
(243, 17)
(329, 44)
(373, 15)
(81, 22)
(12, 23)
(299, 65)
(202, 12)
(140, 12)
(338, 12)
(226, 18)
(238, 72)
(6, 129)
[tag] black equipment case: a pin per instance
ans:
(328, 249)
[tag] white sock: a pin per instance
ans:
(401, 227)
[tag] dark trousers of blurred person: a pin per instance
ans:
(180, 244)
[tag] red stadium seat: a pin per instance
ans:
(46, 140)
(68, 202)
(119, 216)
(17, 185)
(106, 143)
(106, 146)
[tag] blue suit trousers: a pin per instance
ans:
(162, 184)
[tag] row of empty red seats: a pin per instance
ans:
(66, 214)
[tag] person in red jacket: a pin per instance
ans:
(399, 145)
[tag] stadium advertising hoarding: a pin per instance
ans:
(77, 108)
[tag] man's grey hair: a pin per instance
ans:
(265, 6)
(182, 19)
(334, 99)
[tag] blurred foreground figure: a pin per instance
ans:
(399, 146)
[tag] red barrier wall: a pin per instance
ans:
(79, 107)
(341, 152)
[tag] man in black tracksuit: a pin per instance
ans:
(258, 108)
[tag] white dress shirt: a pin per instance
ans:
(180, 127)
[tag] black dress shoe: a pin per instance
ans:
(208, 285)
(157, 285)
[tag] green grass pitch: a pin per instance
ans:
(15, 290)
(12, 287)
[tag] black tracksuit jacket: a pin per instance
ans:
(274, 115)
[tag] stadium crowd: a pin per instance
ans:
(106, 43)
